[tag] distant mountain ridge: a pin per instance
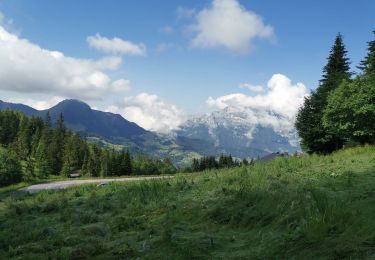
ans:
(228, 131)
(81, 118)
(108, 128)
(235, 131)
(29, 111)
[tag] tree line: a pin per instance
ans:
(30, 148)
(211, 162)
(341, 111)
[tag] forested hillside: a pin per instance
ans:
(31, 149)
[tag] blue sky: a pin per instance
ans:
(173, 68)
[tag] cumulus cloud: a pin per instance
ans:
(277, 107)
(37, 104)
(121, 85)
(116, 45)
(252, 88)
(27, 68)
(226, 23)
(150, 112)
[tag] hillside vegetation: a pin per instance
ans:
(32, 150)
(306, 207)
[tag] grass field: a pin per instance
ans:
(308, 207)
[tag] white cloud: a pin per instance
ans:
(116, 45)
(111, 63)
(27, 68)
(277, 107)
(150, 112)
(183, 12)
(252, 88)
(121, 85)
(37, 104)
(226, 23)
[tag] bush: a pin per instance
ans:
(10, 168)
(350, 111)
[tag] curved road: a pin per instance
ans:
(58, 185)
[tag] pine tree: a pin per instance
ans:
(128, 163)
(84, 168)
(43, 162)
(195, 165)
(104, 164)
(66, 169)
(337, 67)
(9, 126)
(43, 166)
(57, 145)
(22, 145)
(309, 122)
(47, 120)
(367, 65)
(93, 163)
(29, 173)
(36, 125)
(245, 162)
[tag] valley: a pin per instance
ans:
(187, 129)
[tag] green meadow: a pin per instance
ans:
(307, 207)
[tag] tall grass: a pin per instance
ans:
(306, 207)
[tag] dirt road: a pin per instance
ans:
(58, 185)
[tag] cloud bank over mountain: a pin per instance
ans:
(277, 107)
(150, 111)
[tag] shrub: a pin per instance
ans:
(10, 168)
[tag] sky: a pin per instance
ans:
(156, 62)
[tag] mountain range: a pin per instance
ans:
(237, 131)
(228, 131)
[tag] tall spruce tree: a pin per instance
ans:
(351, 109)
(104, 164)
(128, 163)
(309, 123)
(367, 65)
(43, 157)
(57, 145)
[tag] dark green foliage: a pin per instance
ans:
(127, 164)
(315, 137)
(57, 141)
(45, 150)
(367, 65)
(210, 162)
(145, 165)
(350, 112)
(337, 67)
(10, 168)
(9, 124)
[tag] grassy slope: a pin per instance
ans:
(306, 208)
